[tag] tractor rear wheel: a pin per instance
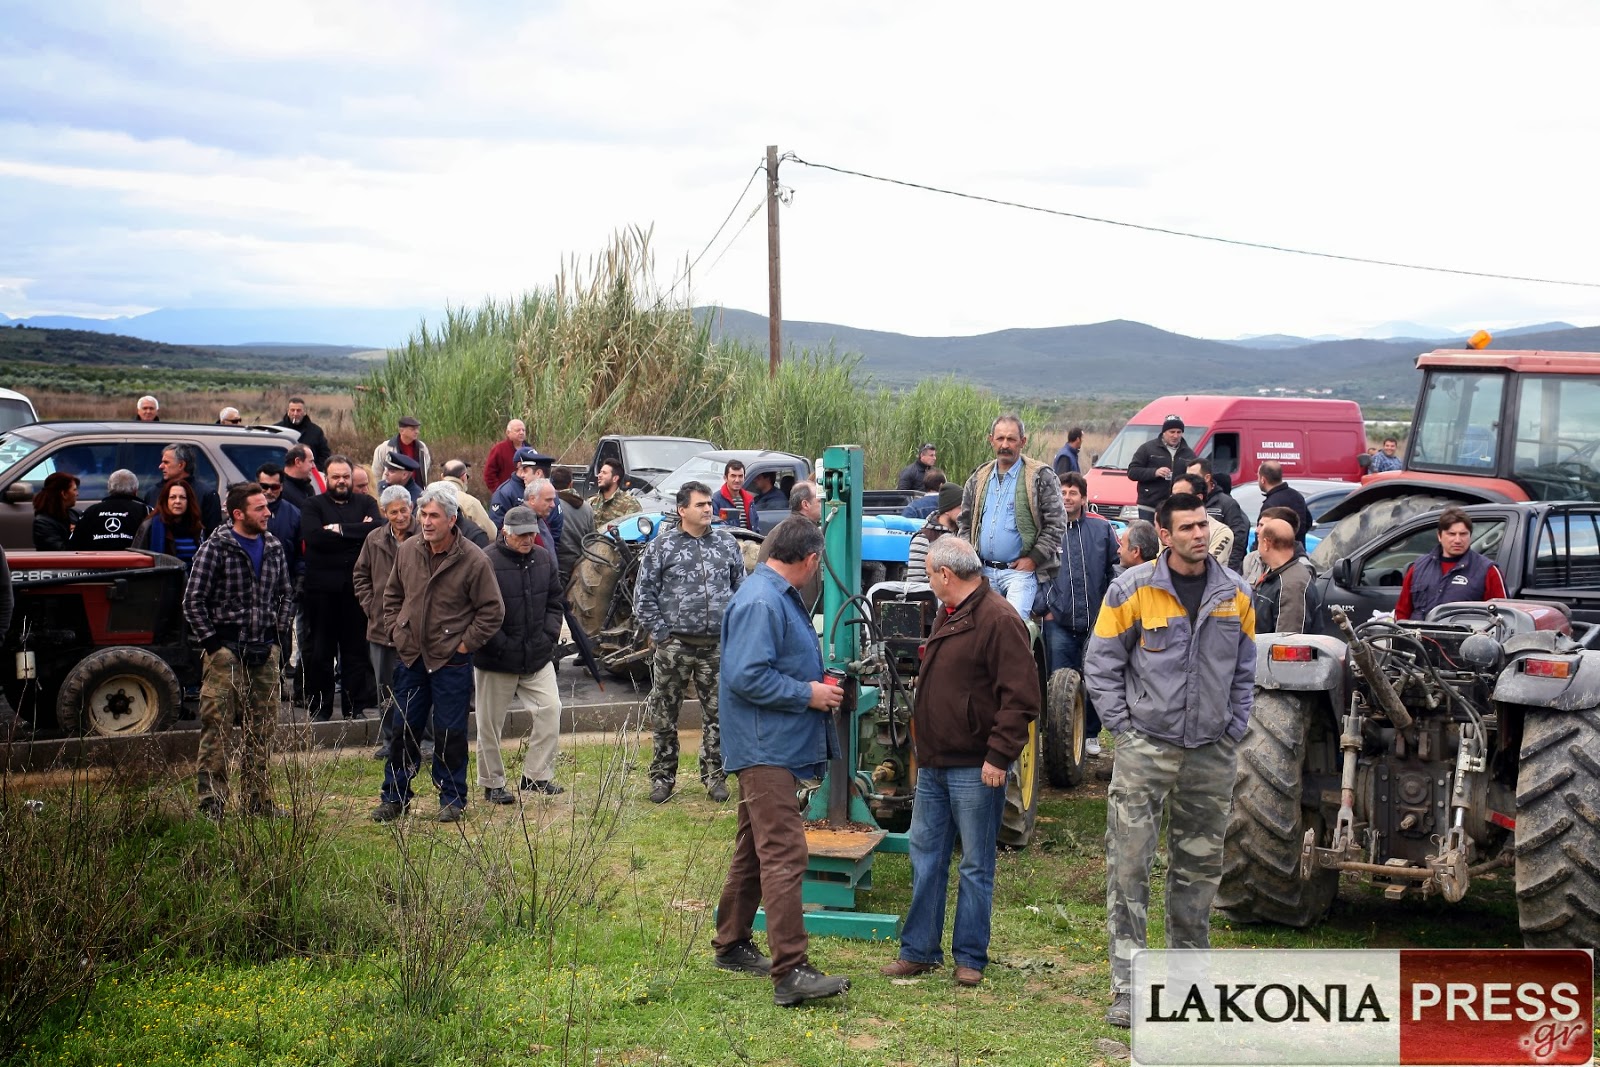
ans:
(118, 692)
(1558, 829)
(1261, 851)
(1064, 729)
(1022, 794)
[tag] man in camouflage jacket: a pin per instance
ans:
(687, 575)
(611, 502)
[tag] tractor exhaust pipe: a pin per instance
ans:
(1387, 698)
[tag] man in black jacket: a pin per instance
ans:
(1156, 461)
(1277, 493)
(311, 434)
(110, 524)
(334, 526)
(1221, 506)
(917, 470)
(178, 463)
(515, 665)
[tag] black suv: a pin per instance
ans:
(92, 450)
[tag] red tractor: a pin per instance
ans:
(1488, 427)
(97, 643)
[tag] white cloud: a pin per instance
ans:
(382, 154)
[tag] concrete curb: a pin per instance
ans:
(182, 742)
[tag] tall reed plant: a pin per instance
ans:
(605, 350)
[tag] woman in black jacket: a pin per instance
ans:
(54, 512)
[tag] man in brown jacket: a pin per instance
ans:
(977, 693)
(440, 604)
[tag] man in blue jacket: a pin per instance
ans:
(1171, 668)
(776, 734)
(1071, 602)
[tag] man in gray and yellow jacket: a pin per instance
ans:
(1171, 669)
(1011, 513)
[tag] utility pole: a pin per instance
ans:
(774, 285)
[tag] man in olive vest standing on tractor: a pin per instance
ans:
(1011, 512)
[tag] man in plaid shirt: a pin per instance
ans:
(240, 603)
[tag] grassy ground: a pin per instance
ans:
(623, 974)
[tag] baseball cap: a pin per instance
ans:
(410, 420)
(1172, 422)
(521, 520)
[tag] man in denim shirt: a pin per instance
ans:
(773, 737)
(1011, 513)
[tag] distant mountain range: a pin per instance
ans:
(1389, 331)
(359, 327)
(1117, 358)
(1122, 358)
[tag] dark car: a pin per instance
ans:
(93, 450)
(707, 467)
(1547, 552)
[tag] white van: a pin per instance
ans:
(15, 410)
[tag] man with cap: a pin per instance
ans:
(517, 664)
(916, 472)
(407, 442)
(400, 469)
(946, 518)
(1156, 461)
(530, 464)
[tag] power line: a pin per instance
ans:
(736, 235)
(696, 261)
(1185, 233)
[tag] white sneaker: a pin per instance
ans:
(1092, 746)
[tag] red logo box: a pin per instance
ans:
(1496, 1006)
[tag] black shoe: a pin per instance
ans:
(452, 812)
(211, 808)
(743, 956)
(718, 791)
(381, 752)
(660, 792)
(533, 785)
(499, 794)
(388, 811)
(1120, 1014)
(806, 983)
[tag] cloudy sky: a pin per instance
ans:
(410, 153)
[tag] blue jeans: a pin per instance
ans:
(1064, 648)
(442, 694)
(952, 801)
(1018, 587)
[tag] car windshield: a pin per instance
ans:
(14, 448)
(662, 455)
(699, 469)
(1119, 453)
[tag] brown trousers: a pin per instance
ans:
(769, 864)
